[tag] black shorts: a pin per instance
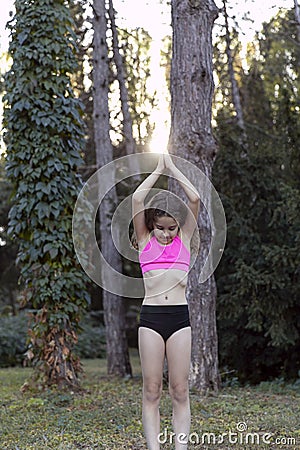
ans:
(165, 320)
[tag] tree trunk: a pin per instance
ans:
(127, 121)
(191, 138)
(44, 136)
(114, 311)
(297, 17)
(234, 86)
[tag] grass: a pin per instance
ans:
(107, 415)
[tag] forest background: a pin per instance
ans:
(256, 173)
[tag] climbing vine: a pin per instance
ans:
(44, 136)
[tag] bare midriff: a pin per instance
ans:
(165, 287)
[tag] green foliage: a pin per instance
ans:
(14, 337)
(280, 58)
(222, 92)
(9, 274)
(258, 278)
(82, 78)
(53, 420)
(91, 340)
(44, 138)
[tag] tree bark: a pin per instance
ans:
(234, 86)
(297, 17)
(127, 121)
(114, 310)
(191, 138)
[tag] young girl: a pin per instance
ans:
(163, 232)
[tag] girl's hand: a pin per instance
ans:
(161, 164)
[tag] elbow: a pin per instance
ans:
(138, 197)
(195, 199)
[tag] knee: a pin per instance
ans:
(179, 392)
(152, 392)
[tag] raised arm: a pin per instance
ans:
(191, 193)
(138, 198)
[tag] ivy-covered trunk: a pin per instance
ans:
(191, 138)
(44, 138)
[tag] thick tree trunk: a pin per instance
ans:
(191, 138)
(114, 310)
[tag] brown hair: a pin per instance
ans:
(163, 204)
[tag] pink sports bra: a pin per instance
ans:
(173, 256)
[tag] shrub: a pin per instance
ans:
(91, 341)
(13, 340)
(13, 336)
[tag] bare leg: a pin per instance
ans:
(178, 349)
(152, 354)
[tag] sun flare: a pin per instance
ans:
(160, 137)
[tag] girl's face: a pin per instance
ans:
(165, 229)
